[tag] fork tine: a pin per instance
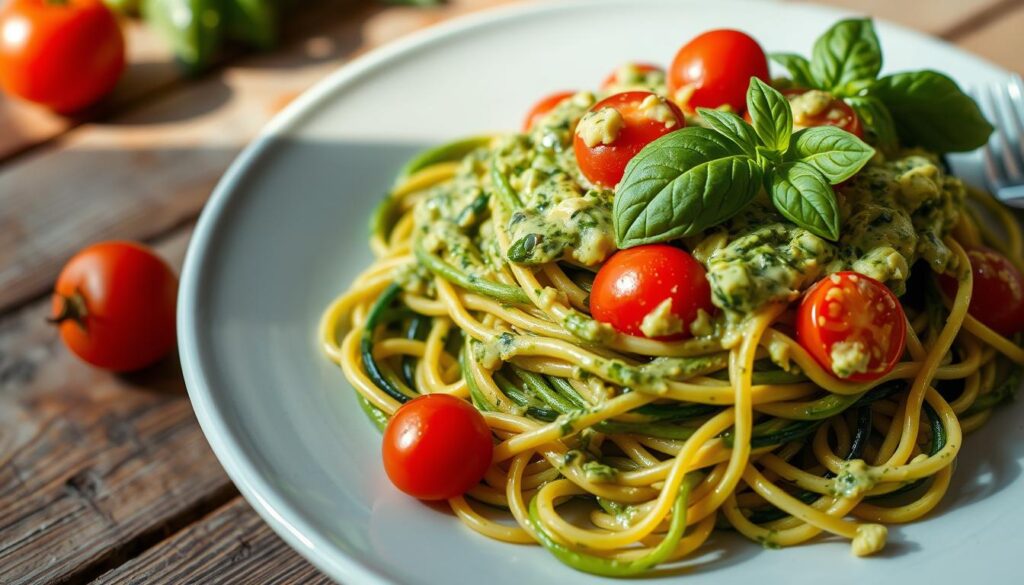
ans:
(1014, 102)
(1003, 135)
(993, 172)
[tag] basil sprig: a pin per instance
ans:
(695, 178)
(921, 108)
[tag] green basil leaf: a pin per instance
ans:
(732, 127)
(847, 53)
(770, 115)
(681, 184)
(876, 120)
(835, 153)
(929, 110)
(804, 197)
(799, 69)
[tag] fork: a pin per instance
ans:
(1002, 157)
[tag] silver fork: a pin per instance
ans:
(1002, 157)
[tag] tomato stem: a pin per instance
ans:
(72, 308)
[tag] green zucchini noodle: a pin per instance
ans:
(664, 441)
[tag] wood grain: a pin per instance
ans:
(937, 17)
(231, 545)
(94, 467)
(1002, 41)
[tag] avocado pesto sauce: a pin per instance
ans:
(893, 213)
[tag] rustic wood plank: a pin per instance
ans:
(154, 167)
(937, 17)
(231, 545)
(94, 467)
(150, 68)
(1002, 40)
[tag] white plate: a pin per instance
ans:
(285, 231)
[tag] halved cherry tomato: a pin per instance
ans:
(544, 107)
(618, 127)
(634, 282)
(714, 69)
(836, 113)
(436, 447)
(852, 325)
(613, 78)
(114, 303)
(64, 54)
(997, 299)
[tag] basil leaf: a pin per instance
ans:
(799, 69)
(848, 52)
(804, 197)
(876, 120)
(681, 184)
(929, 110)
(732, 127)
(835, 153)
(770, 115)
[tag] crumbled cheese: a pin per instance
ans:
(809, 104)
(683, 95)
(870, 539)
(600, 127)
(661, 321)
(702, 326)
(849, 358)
(855, 478)
(654, 107)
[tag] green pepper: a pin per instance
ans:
(252, 22)
(194, 28)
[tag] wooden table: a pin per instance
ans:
(106, 478)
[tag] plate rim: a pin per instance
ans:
(279, 514)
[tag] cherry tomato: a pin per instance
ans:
(642, 68)
(852, 325)
(544, 107)
(714, 69)
(63, 54)
(436, 447)
(997, 299)
(634, 282)
(618, 127)
(836, 113)
(114, 304)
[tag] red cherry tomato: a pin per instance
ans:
(544, 107)
(852, 325)
(613, 78)
(634, 282)
(716, 66)
(436, 447)
(114, 304)
(997, 299)
(603, 163)
(62, 54)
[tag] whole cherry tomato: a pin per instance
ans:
(634, 283)
(997, 299)
(618, 127)
(64, 54)
(436, 447)
(114, 303)
(852, 325)
(544, 107)
(714, 69)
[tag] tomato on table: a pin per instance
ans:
(618, 127)
(436, 447)
(615, 77)
(658, 288)
(714, 69)
(64, 54)
(114, 303)
(853, 326)
(997, 299)
(544, 107)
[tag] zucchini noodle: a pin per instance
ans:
(660, 442)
